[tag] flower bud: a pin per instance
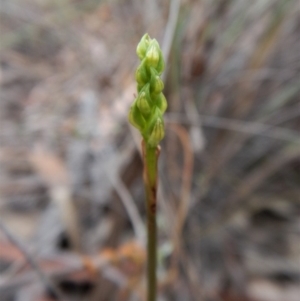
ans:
(143, 101)
(156, 83)
(136, 118)
(141, 74)
(143, 46)
(153, 54)
(161, 102)
(161, 65)
(157, 133)
(143, 104)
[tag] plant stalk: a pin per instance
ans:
(150, 158)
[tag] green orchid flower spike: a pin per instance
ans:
(146, 112)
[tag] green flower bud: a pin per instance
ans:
(161, 65)
(161, 102)
(143, 46)
(143, 101)
(153, 54)
(157, 133)
(141, 75)
(151, 120)
(136, 118)
(143, 104)
(156, 84)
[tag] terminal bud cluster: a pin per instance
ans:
(146, 112)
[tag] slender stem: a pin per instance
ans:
(150, 157)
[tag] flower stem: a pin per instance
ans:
(150, 158)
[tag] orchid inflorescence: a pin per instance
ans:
(146, 112)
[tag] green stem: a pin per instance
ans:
(150, 157)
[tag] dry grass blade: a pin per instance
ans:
(249, 185)
(184, 199)
(248, 128)
(129, 204)
(30, 259)
(55, 173)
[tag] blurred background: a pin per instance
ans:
(72, 214)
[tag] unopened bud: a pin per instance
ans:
(157, 133)
(153, 54)
(143, 46)
(136, 118)
(141, 74)
(161, 102)
(156, 83)
(160, 66)
(143, 104)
